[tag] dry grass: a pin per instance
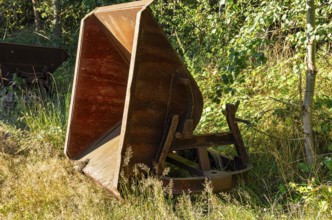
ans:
(38, 182)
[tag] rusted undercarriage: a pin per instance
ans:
(34, 65)
(132, 92)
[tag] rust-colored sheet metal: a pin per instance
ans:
(28, 62)
(131, 93)
(26, 57)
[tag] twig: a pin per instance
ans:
(41, 35)
(179, 42)
(287, 103)
(276, 137)
(316, 156)
(2, 83)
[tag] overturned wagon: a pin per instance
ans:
(33, 64)
(132, 92)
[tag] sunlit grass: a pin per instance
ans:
(38, 182)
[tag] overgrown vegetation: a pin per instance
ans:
(251, 51)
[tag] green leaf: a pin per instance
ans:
(328, 163)
(282, 188)
(329, 148)
(305, 168)
(289, 121)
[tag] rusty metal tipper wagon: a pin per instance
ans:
(132, 91)
(33, 64)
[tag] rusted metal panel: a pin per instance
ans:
(102, 74)
(29, 58)
(132, 93)
(157, 70)
(32, 63)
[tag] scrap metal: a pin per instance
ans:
(133, 93)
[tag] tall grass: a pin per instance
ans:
(45, 117)
(40, 184)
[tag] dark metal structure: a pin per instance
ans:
(132, 92)
(31, 63)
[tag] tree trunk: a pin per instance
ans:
(36, 14)
(310, 84)
(56, 19)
